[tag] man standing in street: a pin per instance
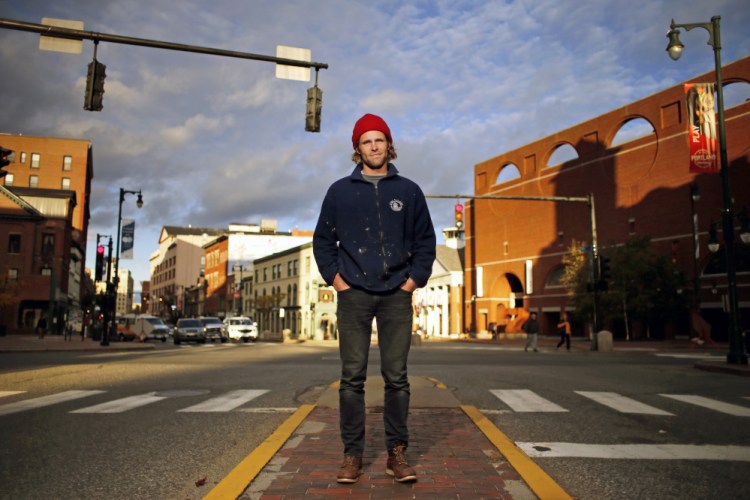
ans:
(375, 244)
(531, 327)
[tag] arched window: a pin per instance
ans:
(508, 173)
(563, 153)
(633, 129)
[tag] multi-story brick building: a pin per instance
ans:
(44, 216)
(641, 186)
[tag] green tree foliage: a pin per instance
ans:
(646, 286)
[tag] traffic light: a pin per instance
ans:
(7, 156)
(99, 269)
(605, 272)
(458, 214)
(92, 100)
(314, 108)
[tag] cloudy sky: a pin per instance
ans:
(212, 141)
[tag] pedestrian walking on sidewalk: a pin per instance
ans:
(531, 327)
(563, 328)
(375, 244)
(41, 327)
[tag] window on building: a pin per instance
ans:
(9, 179)
(65, 183)
(265, 274)
(14, 243)
(33, 181)
(13, 274)
(295, 266)
(23, 156)
(67, 163)
(46, 270)
(307, 265)
(36, 160)
(48, 244)
(289, 268)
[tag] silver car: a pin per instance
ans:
(189, 330)
(213, 329)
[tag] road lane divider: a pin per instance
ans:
(239, 478)
(539, 481)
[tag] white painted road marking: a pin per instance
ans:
(227, 402)
(525, 401)
(122, 405)
(711, 404)
(638, 451)
(52, 399)
(10, 393)
(621, 403)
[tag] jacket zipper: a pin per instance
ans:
(380, 231)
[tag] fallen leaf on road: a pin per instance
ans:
(201, 482)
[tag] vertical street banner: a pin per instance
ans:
(127, 238)
(702, 128)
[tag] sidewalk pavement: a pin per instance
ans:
(58, 343)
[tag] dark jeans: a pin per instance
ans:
(564, 339)
(393, 313)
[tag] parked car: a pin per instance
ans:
(125, 324)
(214, 329)
(188, 330)
(241, 328)
(149, 327)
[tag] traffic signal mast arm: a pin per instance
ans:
(588, 200)
(73, 34)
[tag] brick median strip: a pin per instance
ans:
(450, 455)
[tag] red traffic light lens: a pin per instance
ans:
(100, 249)
(459, 207)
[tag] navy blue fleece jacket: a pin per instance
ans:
(375, 237)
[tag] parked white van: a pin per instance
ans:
(149, 327)
(241, 328)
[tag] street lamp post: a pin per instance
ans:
(694, 197)
(116, 278)
(737, 354)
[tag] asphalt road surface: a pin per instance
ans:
(152, 424)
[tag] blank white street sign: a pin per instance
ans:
(298, 73)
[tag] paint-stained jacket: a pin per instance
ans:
(375, 237)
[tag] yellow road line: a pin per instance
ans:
(243, 474)
(544, 486)
(438, 384)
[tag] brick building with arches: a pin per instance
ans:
(634, 160)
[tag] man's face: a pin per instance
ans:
(373, 148)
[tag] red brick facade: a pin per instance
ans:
(641, 187)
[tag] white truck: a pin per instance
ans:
(147, 327)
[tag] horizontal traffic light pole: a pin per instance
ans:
(73, 34)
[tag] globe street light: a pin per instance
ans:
(737, 354)
(116, 278)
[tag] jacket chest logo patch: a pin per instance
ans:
(396, 205)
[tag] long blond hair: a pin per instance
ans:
(357, 158)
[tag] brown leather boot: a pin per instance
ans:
(350, 470)
(397, 465)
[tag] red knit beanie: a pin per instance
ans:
(367, 123)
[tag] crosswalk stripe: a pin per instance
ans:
(10, 393)
(52, 399)
(227, 402)
(711, 404)
(525, 401)
(621, 403)
(638, 451)
(122, 405)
